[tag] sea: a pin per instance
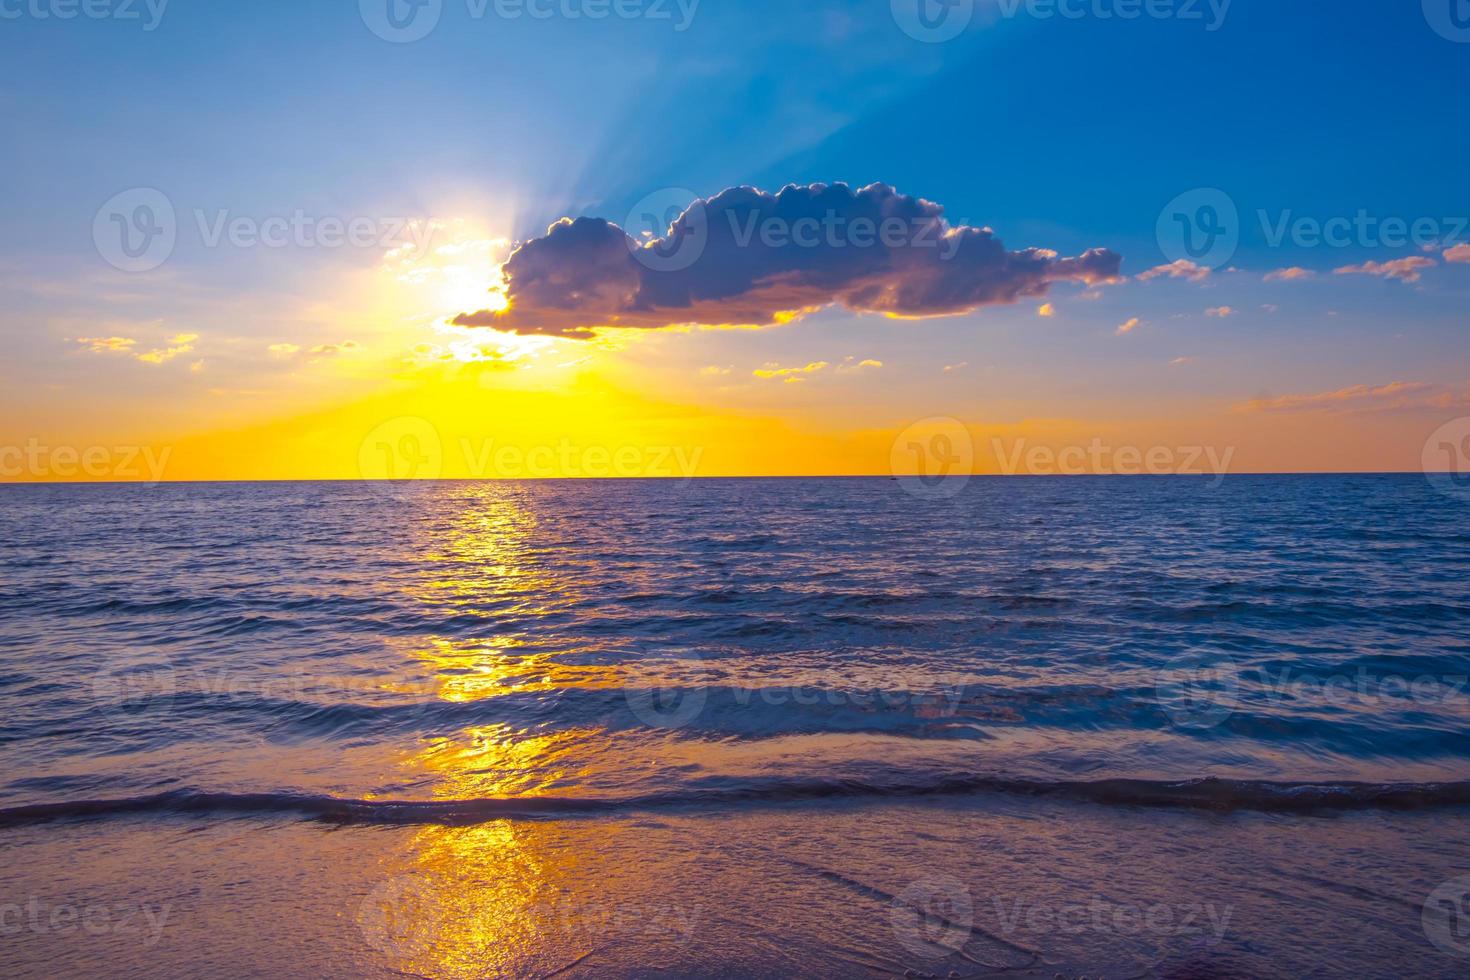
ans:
(1097, 727)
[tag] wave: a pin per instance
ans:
(1213, 794)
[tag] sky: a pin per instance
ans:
(421, 238)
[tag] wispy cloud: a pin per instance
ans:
(774, 370)
(1457, 253)
(107, 345)
(1127, 326)
(331, 350)
(1180, 269)
(178, 344)
(1291, 274)
(1220, 311)
(1397, 394)
(1408, 269)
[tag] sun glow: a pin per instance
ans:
(454, 267)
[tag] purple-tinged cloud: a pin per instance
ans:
(745, 257)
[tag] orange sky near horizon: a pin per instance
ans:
(365, 378)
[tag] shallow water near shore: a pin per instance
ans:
(1102, 727)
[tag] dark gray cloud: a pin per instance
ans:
(746, 257)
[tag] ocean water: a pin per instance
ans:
(1106, 727)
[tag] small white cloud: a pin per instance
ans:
(1220, 311)
(1128, 325)
(1290, 274)
(1182, 269)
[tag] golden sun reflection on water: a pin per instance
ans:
(495, 899)
(519, 899)
(464, 903)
